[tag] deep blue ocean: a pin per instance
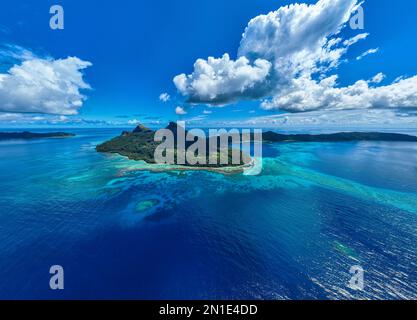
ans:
(292, 232)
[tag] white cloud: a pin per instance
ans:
(338, 119)
(207, 112)
(398, 79)
(14, 117)
(307, 94)
(164, 97)
(15, 52)
(134, 122)
(46, 86)
(378, 78)
(289, 56)
(275, 48)
(22, 119)
(297, 38)
(221, 81)
(367, 53)
(355, 39)
(180, 111)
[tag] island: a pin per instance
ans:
(139, 145)
(31, 135)
(271, 136)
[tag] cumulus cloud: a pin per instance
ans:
(37, 85)
(164, 97)
(286, 58)
(274, 48)
(297, 38)
(307, 95)
(180, 111)
(221, 81)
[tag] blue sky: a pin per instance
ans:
(136, 48)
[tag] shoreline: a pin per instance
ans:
(158, 168)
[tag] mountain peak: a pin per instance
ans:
(141, 129)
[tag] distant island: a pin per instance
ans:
(271, 136)
(31, 135)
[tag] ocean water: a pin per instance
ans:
(292, 232)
